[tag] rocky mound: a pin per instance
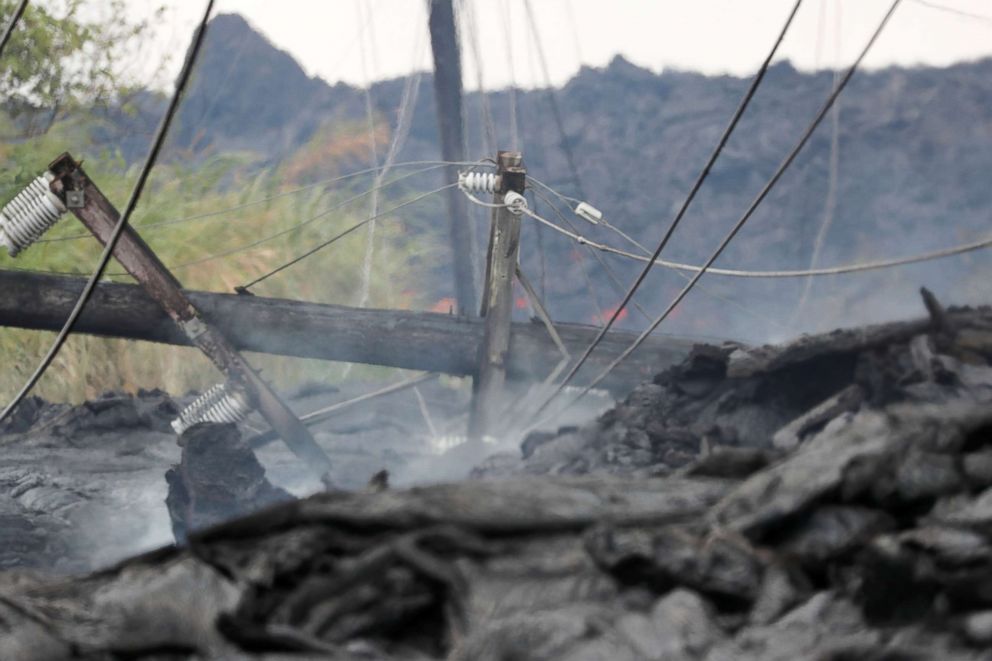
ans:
(872, 539)
(768, 399)
(858, 528)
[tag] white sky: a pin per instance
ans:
(714, 36)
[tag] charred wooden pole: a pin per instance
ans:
(100, 217)
(448, 99)
(497, 301)
(403, 339)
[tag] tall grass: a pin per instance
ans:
(88, 366)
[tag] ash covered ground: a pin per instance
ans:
(826, 499)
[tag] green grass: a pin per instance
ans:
(88, 366)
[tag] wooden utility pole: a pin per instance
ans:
(448, 98)
(392, 338)
(497, 298)
(99, 216)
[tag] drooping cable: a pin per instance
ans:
(597, 247)
(139, 186)
(11, 24)
(610, 274)
(769, 185)
(954, 10)
(340, 235)
(289, 230)
(427, 166)
(842, 269)
(488, 129)
(833, 171)
(724, 138)
(566, 144)
(515, 144)
(366, 281)
(576, 41)
(566, 147)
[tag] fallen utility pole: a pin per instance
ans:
(424, 341)
(87, 202)
(497, 297)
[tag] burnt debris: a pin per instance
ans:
(751, 404)
(827, 499)
(217, 478)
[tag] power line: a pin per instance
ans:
(602, 262)
(289, 230)
(783, 166)
(833, 174)
(745, 101)
(857, 267)
(11, 24)
(488, 129)
(341, 235)
(512, 94)
(365, 287)
(592, 245)
(122, 222)
(566, 144)
(295, 191)
(954, 10)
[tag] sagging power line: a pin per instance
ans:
(769, 185)
(721, 143)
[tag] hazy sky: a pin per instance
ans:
(359, 40)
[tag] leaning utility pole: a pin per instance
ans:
(448, 98)
(497, 297)
(78, 192)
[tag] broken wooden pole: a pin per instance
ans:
(100, 217)
(405, 339)
(497, 303)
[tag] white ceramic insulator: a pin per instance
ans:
(478, 182)
(515, 202)
(30, 214)
(215, 405)
(588, 212)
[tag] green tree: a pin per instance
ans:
(65, 53)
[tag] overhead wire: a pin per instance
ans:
(270, 198)
(700, 179)
(340, 235)
(515, 144)
(724, 299)
(220, 89)
(769, 274)
(955, 10)
(842, 269)
(566, 145)
(599, 258)
(769, 185)
(576, 41)
(488, 128)
(289, 230)
(366, 280)
(833, 165)
(284, 232)
(111, 243)
(15, 18)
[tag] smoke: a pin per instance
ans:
(417, 439)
